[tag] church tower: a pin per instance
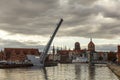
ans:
(91, 46)
(77, 46)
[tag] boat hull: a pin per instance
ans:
(2, 66)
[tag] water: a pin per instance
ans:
(60, 72)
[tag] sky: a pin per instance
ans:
(30, 23)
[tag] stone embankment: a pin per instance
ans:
(115, 68)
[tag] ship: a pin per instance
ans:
(12, 64)
(36, 61)
(80, 60)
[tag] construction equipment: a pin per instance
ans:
(46, 49)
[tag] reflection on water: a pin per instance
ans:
(91, 72)
(60, 72)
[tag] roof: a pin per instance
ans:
(91, 43)
(19, 50)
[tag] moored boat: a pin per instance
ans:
(80, 60)
(9, 64)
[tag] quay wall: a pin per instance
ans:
(115, 69)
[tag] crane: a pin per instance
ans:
(46, 49)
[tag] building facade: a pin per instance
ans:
(83, 55)
(91, 46)
(118, 54)
(18, 54)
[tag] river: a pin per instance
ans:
(60, 72)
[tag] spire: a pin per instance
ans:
(91, 45)
(57, 49)
(90, 38)
(65, 48)
(61, 48)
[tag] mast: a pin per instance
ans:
(53, 53)
(46, 49)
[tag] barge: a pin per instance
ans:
(36, 61)
(6, 64)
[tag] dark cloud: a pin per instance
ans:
(39, 17)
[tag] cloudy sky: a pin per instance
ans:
(29, 23)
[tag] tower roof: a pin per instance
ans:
(77, 43)
(91, 43)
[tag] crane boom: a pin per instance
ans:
(46, 49)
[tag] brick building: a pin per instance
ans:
(118, 54)
(2, 56)
(77, 52)
(19, 54)
(64, 56)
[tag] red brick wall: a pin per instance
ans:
(111, 56)
(118, 53)
(19, 54)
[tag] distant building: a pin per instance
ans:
(97, 55)
(64, 56)
(84, 54)
(19, 54)
(102, 56)
(77, 46)
(2, 56)
(91, 46)
(118, 54)
(112, 56)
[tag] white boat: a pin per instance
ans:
(14, 64)
(34, 59)
(80, 60)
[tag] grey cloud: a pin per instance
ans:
(110, 12)
(107, 47)
(17, 44)
(39, 17)
(85, 2)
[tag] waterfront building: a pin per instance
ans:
(91, 46)
(83, 55)
(112, 56)
(103, 56)
(77, 46)
(74, 55)
(64, 56)
(96, 55)
(2, 56)
(118, 54)
(19, 54)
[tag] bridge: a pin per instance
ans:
(46, 49)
